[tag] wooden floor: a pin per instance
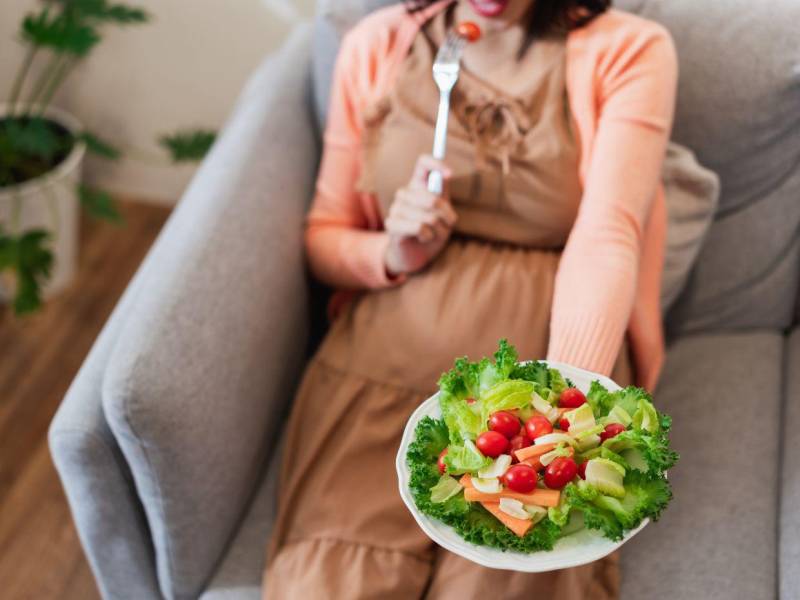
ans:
(40, 555)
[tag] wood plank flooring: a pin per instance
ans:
(40, 555)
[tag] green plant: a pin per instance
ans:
(58, 35)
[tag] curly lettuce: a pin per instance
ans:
(470, 520)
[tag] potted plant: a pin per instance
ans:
(42, 151)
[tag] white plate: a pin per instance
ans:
(579, 548)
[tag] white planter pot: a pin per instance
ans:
(49, 202)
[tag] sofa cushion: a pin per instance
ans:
(789, 540)
(238, 576)
(691, 192)
(737, 109)
(717, 539)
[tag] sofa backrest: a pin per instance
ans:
(739, 110)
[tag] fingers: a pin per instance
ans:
(425, 164)
(424, 224)
(413, 201)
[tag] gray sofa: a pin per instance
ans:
(167, 442)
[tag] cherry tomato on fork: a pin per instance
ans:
(469, 31)
(492, 444)
(571, 398)
(505, 423)
(538, 426)
(560, 472)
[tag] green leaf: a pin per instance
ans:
(535, 371)
(33, 137)
(462, 421)
(99, 204)
(188, 146)
(28, 256)
(126, 15)
(60, 32)
(465, 458)
(102, 11)
(97, 146)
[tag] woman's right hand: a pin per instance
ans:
(419, 222)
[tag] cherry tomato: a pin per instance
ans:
(469, 31)
(571, 398)
(521, 479)
(504, 423)
(611, 430)
(517, 443)
(560, 472)
(538, 426)
(440, 462)
(470, 400)
(582, 469)
(492, 444)
(563, 423)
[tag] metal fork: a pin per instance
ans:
(445, 74)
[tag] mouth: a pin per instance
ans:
(489, 8)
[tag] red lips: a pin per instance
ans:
(489, 8)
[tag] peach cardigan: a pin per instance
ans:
(621, 83)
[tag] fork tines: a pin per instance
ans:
(450, 51)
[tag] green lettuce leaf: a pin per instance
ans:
(445, 488)
(556, 382)
(643, 498)
(463, 422)
(646, 417)
(534, 371)
(653, 450)
(506, 395)
(465, 458)
(582, 497)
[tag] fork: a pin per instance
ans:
(445, 74)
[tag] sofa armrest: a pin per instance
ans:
(98, 484)
(210, 353)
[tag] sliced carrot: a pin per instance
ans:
(518, 526)
(532, 451)
(539, 497)
(535, 462)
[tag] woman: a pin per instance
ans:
(550, 233)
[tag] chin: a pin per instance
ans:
(489, 8)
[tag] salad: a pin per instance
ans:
(521, 457)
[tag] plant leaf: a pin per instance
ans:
(188, 146)
(101, 10)
(99, 204)
(33, 137)
(98, 146)
(60, 32)
(126, 15)
(30, 258)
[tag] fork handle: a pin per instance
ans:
(435, 181)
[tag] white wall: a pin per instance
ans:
(183, 69)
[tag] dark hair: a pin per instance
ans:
(548, 15)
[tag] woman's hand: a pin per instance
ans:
(419, 222)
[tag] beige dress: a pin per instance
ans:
(342, 529)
